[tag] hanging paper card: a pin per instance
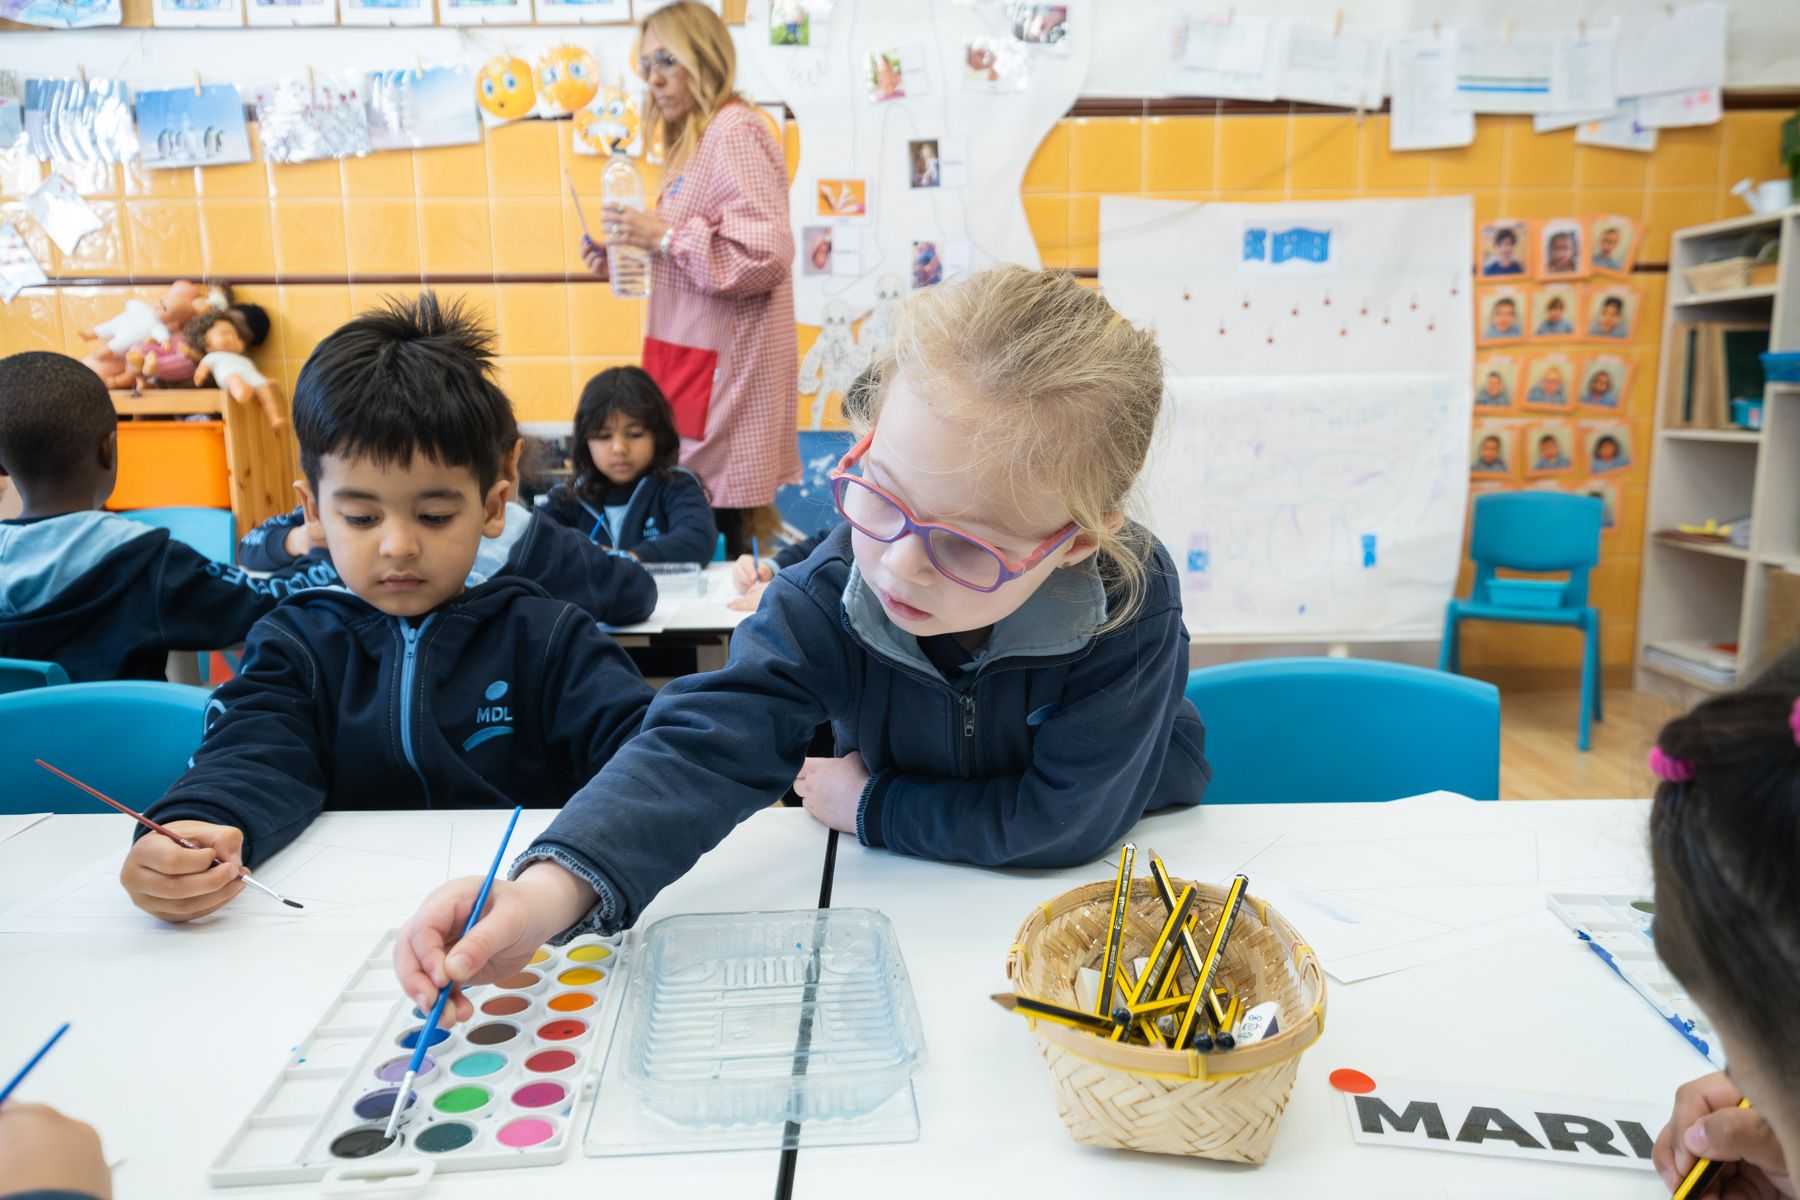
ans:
(61, 211)
(993, 64)
(609, 125)
(303, 121)
(505, 89)
(1674, 110)
(567, 78)
(18, 270)
(897, 73)
(1227, 55)
(583, 12)
(195, 13)
(387, 12)
(12, 111)
(484, 12)
(179, 128)
(800, 22)
(1042, 25)
(1337, 66)
(79, 121)
(432, 107)
(290, 12)
(63, 14)
(1508, 74)
(1425, 113)
(1621, 131)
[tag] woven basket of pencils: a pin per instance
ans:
(1222, 1104)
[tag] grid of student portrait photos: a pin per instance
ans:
(1554, 312)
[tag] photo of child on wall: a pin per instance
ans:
(1500, 316)
(1504, 248)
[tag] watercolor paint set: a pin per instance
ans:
(500, 1090)
(1618, 929)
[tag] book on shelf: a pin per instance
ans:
(1711, 662)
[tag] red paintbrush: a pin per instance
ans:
(147, 823)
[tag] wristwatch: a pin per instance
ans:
(662, 247)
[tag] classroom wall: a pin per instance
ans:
(492, 224)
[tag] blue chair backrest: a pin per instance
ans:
(1292, 730)
(1537, 531)
(17, 674)
(130, 739)
(211, 531)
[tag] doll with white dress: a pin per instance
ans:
(222, 339)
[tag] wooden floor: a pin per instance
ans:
(1538, 758)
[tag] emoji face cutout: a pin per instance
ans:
(610, 124)
(504, 89)
(567, 77)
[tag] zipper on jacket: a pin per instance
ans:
(966, 750)
(408, 667)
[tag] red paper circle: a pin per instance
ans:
(1344, 1079)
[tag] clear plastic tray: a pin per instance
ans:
(766, 1018)
(677, 581)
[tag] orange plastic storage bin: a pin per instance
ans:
(172, 462)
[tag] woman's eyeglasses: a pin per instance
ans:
(662, 62)
(959, 557)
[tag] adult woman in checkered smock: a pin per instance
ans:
(720, 338)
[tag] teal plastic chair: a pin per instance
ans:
(17, 674)
(1539, 532)
(211, 531)
(1311, 730)
(130, 739)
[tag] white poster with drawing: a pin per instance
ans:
(920, 120)
(1312, 482)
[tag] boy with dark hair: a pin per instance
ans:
(411, 689)
(103, 596)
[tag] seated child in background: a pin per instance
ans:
(1724, 838)
(606, 585)
(103, 596)
(1006, 682)
(411, 689)
(748, 575)
(630, 491)
(47, 1156)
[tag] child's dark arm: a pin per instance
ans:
(606, 585)
(265, 547)
(799, 552)
(715, 748)
(1114, 750)
(203, 605)
(692, 534)
(263, 762)
(593, 695)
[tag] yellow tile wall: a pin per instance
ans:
(340, 234)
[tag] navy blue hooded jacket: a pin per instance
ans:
(1040, 752)
(665, 520)
(501, 696)
(106, 597)
(608, 587)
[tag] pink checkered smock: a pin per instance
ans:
(720, 338)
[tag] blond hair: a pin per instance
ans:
(1059, 391)
(695, 35)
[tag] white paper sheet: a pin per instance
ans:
(18, 268)
(352, 872)
(1551, 121)
(1418, 880)
(1504, 74)
(1424, 115)
(1673, 110)
(1320, 65)
(1581, 71)
(1228, 54)
(1671, 50)
(13, 824)
(1470, 1119)
(1621, 131)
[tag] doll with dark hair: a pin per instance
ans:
(222, 339)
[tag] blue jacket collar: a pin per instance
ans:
(495, 551)
(1058, 619)
(41, 560)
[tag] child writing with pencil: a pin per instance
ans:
(1000, 653)
(408, 687)
(1724, 838)
(630, 490)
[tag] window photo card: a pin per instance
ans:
(1500, 316)
(1496, 380)
(1549, 383)
(1605, 379)
(1549, 448)
(1559, 249)
(1612, 312)
(1506, 249)
(843, 199)
(896, 74)
(1612, 245)
(1555, 308)
(937, 162)
(1493, 450)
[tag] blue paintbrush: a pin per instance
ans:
(437, 1010)
(33, 1061)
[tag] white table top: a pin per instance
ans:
(175, 1035)
(693, 614)
(1539, 1013)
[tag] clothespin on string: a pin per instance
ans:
(1337, 26)
(197, 91)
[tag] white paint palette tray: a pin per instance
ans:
(498, 1091)
(1618, 930)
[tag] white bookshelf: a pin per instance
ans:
(1716, 593)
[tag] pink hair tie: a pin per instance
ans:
(1668, 767)
(1794, 720)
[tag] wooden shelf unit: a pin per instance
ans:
(261, 463)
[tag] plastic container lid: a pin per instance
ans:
(765, 1018)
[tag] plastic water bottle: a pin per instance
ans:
(629, 266)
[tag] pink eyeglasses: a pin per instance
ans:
(959, 557)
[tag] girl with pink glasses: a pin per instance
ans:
(999, 651)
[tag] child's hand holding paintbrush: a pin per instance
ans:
(170, 881)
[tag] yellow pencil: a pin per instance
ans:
(1115, 931)
(1043, 1010)
(1234, 902)
(1703, 1173)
